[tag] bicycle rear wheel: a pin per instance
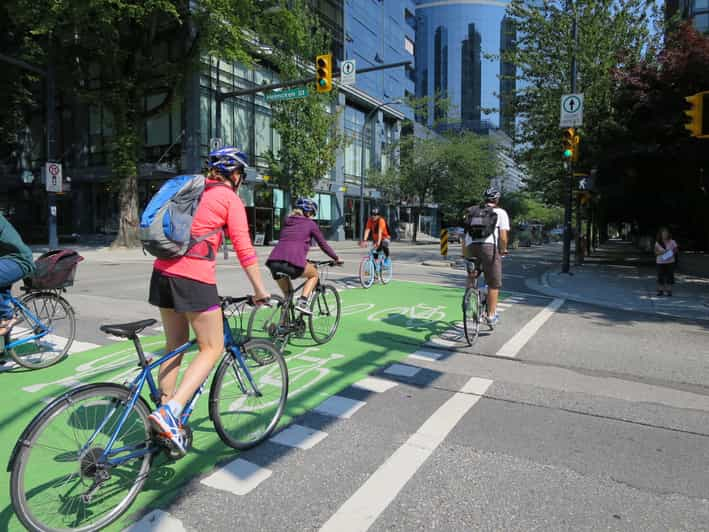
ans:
(366, 272)
(264, 322)
(326, 309)
(471, 315)
(245, 412)
(58, 480)
(44, 311)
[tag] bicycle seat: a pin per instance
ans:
(127, 330)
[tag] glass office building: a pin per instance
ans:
(458, 48)
(697, 10)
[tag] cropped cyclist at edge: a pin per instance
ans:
(15, 263)
(185, 289)
(289, 257)
(488, 252)
(377, 227)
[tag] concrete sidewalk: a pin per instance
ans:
(620, 276)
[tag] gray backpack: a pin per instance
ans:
(166, 224)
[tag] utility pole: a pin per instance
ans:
(51, 108)
(568, 203)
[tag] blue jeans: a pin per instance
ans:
(10, 272)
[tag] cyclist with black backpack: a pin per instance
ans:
(486, 230)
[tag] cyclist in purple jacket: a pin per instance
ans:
(289, 257)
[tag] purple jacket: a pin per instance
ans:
(294, 242)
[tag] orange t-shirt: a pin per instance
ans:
(381, 227)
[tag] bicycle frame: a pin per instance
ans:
(36, 322)
(288, 315)
(136, 388)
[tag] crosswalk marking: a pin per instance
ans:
(426, 355)
(238, 477)
(402, 370)
(374, 384)
(339, 407)
(157, 521)
(299, 437)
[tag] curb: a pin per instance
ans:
(439, 263)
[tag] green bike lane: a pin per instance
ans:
(379, 326)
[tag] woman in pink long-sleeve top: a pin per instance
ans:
(185, 289)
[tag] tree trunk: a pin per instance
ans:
(125, 171)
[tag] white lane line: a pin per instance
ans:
(363, 508)
(238, 477)
(78, 347)
(299, 437)
(440, 342)
(374, 384)
(340, 407)
(514, 345)
(503, 305)
(428, 356)
(402, 370)
(157, 521)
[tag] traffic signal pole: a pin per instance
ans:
(568, 200)
(221, 96)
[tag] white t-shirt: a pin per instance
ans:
(503, 222)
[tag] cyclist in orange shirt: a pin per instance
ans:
(377, 226)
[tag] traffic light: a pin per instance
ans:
(323, 77)
(568, 143)
(575, 155)
(698, 113)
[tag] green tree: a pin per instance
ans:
(307, 127)
(610, 35)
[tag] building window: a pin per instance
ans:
(410, 18)
(410, 73)
(324, 202)
(409, 45)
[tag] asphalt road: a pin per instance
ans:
(567, 417)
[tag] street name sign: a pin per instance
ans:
(571, 110)
(286, 94)
(348, 72)
(53, 175)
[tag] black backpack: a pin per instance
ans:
(480, 221)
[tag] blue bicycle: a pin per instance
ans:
(375, 265)
(85, 457)
(44, 329)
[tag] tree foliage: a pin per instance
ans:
(309, 139)
(610, 35)
(451, 171)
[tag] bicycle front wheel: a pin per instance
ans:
(366, 272)
(264, 322)
(326, 310)
(60, 481)
(246, 402)
(49, 317)
(471, 315)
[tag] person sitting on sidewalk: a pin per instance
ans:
(665, 257)
(15, 263)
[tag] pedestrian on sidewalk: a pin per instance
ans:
(665, 257)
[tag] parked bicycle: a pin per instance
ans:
(373, 266)
(45, 322)
(282, 321)
(474, 303)
(85, 457)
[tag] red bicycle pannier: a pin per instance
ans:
(54, 269)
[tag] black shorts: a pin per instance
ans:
(666, 273)
(285, 268)
(182, 294)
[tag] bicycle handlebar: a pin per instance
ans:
(318, 263)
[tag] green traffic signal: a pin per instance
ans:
(568, 153)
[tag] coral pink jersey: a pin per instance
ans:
(219, 207)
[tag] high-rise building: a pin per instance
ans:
(459, 46)
(377, 33)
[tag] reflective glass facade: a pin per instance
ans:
(697, 10)
(455, 45)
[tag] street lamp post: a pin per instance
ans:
(362, 171)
